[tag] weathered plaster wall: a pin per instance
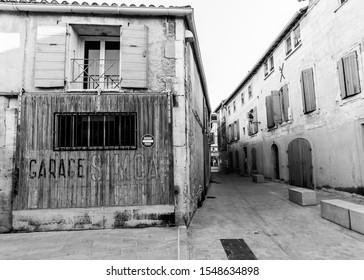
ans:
(12, 38)
(334, 129)
(8, 124)
(22, 30)
(196, 133)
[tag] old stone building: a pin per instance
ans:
(104, 116)
(298, 116)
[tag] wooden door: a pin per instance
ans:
(300, 163)
(74, 177)
(275, 162)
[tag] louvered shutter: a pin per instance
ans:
(285, 102)
(308, 91)
(50, 57)
(269, 106)
(233, 136)
(340, 68)
(133, 62)
(237, 129)
(255, 120)
(277, 106)
(350, 64)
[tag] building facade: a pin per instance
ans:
(105, 116)
(298, 116)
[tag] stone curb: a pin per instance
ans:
(182, 243)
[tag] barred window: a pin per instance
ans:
(95, 131)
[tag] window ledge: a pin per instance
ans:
(350, 99)
(293, 51)
(341, 6)
(270, 73)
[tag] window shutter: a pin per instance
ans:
(285, 102)
(269, 105)
(233, 131)
(350, 64)
(133, 65)
(308, 91)
(277, 106)
(50, 56)
(238, 129)
(340, 68)
(255, 120)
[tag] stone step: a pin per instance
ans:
(346, 214)
(302, 196)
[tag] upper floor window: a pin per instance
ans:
(229, 112)
(242, 99)
(234, 106)
(250, 91)
(99, 56)
(271, 63)
(296, 36)
(349, 75)
(288, 45)
(268, 66)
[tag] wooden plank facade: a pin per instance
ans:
(93, 178)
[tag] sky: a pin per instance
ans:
(232, 34)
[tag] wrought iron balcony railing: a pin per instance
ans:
(95, 73)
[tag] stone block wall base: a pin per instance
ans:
(93, 218)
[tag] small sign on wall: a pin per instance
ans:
(147, 141)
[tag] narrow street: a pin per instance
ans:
(271, 225)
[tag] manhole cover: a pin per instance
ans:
(237, 249)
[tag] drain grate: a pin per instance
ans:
(237, 249)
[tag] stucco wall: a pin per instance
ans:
(8, 123)
(21, 29)
(334, 130)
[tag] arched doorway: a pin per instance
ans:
(300, 163)
(275, 162)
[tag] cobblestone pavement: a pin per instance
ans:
(271, 225)
(113, 244)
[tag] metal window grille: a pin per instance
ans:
(95, 131)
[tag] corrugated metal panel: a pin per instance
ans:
(133, 65)
(50, 57)
(308, 90)
(269, 106)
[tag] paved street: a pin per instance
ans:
(271, 225)
(236, 208)
(117, 244)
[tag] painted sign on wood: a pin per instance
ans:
(96, 176)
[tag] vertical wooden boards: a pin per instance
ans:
(93, 178)
(269, 107)
(308, 91)
(133, 54)
(50, 56)
(300, 163)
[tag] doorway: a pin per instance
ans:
(245, 161)
(300, 163)
(275, 162)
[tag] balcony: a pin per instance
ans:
(94, 74)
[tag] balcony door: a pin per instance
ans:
(101, 64)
